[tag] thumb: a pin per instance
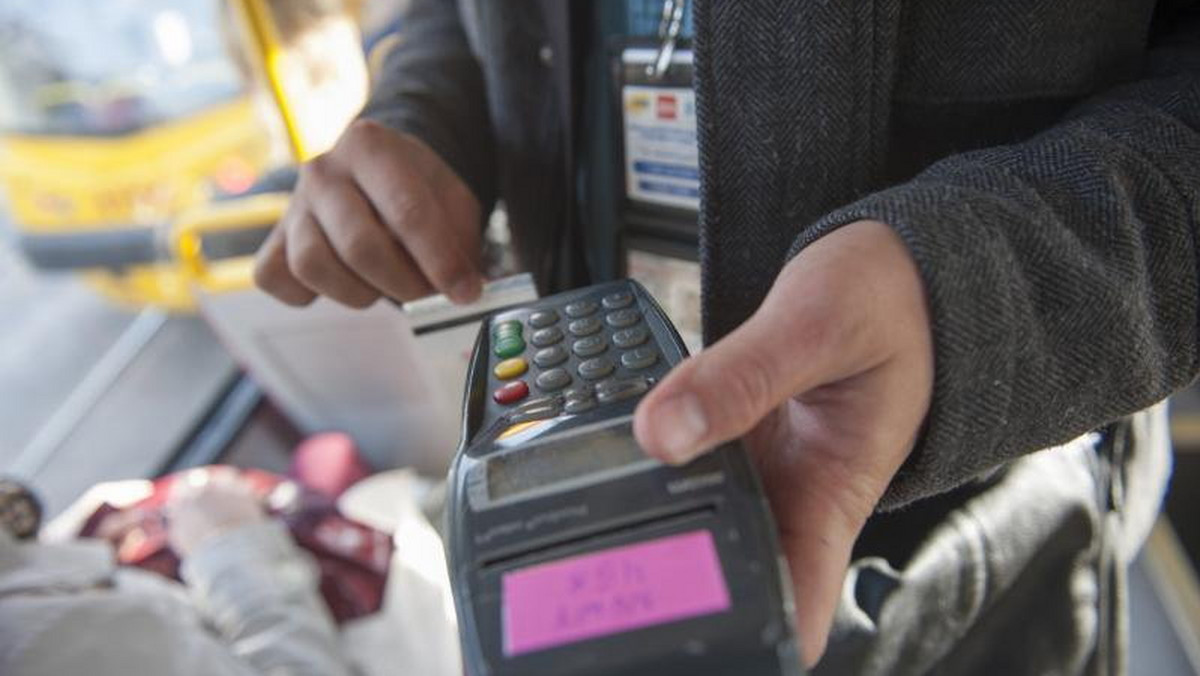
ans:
(724, 391)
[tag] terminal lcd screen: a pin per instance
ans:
(611, 591)
(562, 459)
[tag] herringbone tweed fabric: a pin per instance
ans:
(1056, 237)
(1061, 267)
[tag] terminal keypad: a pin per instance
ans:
(553, 380)
(550, 356)
(631, 337)
(590, 346)
(568, 358)
(585, 327)
(546, 337)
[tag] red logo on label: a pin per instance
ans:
(667, 108)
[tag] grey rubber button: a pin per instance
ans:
(550, 356)
(537, 409)
(583, 327)
(579, 405)
(623, 318)
(596, 368)
(546, 337)
(631, 337)
(584, 392)
(543, 318)
(590, 346)
(581, 308)
(617, 390)
(553, 380)
(642, 357)
(618, 300)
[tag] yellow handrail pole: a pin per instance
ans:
(238, 214)
(267, 50)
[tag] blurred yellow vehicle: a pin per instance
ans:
(115, 118)
(121, 121)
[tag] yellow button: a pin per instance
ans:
(518, 428)
(510, 368)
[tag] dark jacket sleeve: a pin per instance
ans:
(1061, 274)
(431, 86)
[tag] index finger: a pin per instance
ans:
(271, 272)
(408, 206)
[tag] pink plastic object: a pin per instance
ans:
(612, 591)
(328, 463)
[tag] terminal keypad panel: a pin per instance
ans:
(571, 356)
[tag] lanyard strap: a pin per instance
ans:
(669, 27)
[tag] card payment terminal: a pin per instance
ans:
(571, 551)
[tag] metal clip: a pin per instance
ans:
(669, 28)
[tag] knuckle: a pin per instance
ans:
(409, 213)
(362, 251)
(818, 323)
(271, 278)
(747, 389)
(267, 265)
(308, 264)
(317, 171)
(264, 273)
(442, 264)
(364, 137)
(445, 268)
(363, 130)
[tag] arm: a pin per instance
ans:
(395, 208)
(1055, 281)
(260, 593)
(430, 86)
(1061, 273)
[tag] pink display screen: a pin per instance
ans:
(612, 591)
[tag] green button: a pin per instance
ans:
(507, 332)
(507, 327)
(509, 347)
(507, 337)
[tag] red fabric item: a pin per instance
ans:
(353, 558)
(328, 463)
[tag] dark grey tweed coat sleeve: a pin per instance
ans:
(430, 85)
(1061, 272)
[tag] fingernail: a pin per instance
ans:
(682, 426)
(466, 290)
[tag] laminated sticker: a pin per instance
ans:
(612, 591)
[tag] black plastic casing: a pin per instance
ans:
(719, 492)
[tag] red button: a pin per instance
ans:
(511, 393)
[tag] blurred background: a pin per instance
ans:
(146, 147)
(132, 132)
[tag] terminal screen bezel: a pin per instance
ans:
(571, 459)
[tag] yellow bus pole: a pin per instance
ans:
(245, 213)
(267, 50)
